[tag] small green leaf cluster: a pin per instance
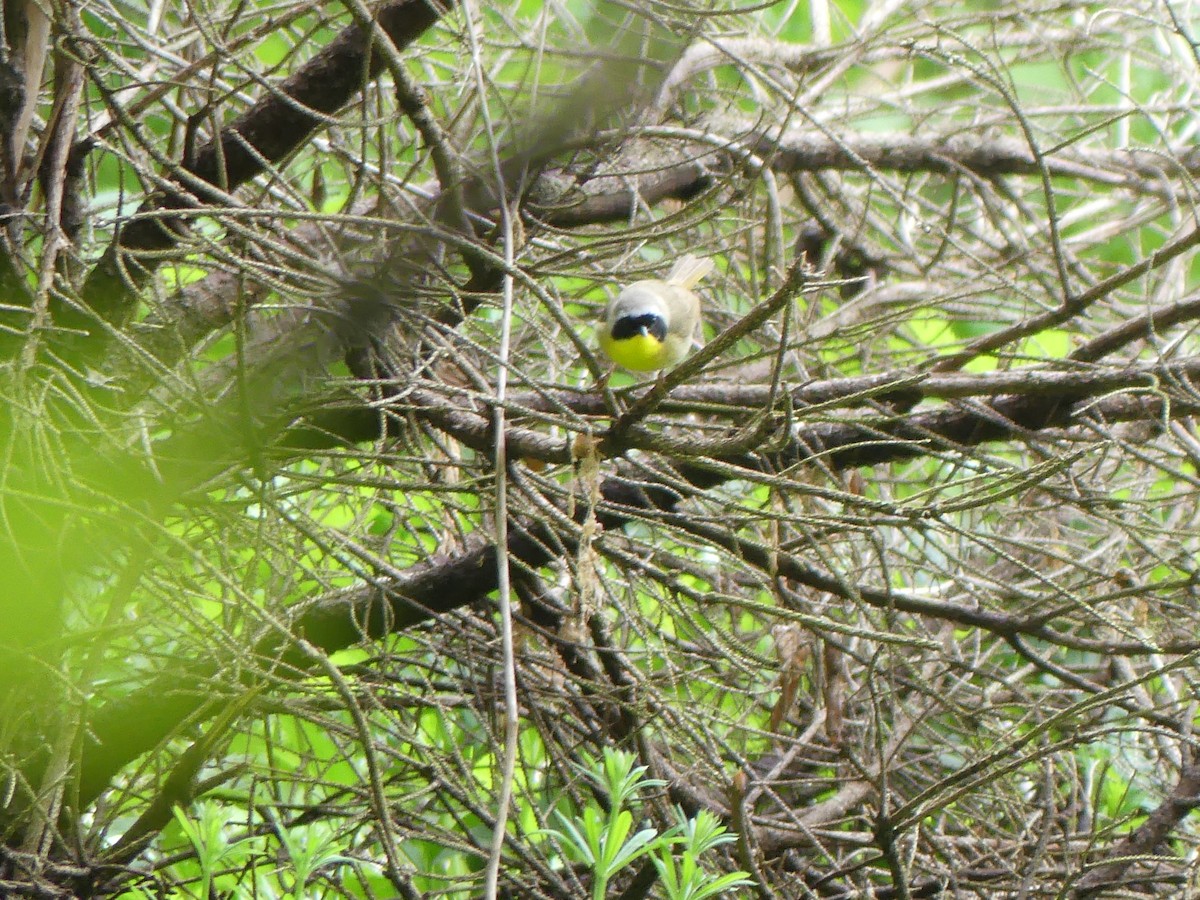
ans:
(221, 864)
(603, 840)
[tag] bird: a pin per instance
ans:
(653, 324)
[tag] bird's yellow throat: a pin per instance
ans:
(641, 352)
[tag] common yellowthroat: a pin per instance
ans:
(653, 324)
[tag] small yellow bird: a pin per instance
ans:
(653, 324)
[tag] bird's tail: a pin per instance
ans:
(690, 270)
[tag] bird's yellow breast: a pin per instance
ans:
(641, 352)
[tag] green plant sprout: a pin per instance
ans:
(604, 840)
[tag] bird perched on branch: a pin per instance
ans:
(653, 324)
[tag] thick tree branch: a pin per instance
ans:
(1143, 840)
(680, 163)
(1028, 400)
(266, 133)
